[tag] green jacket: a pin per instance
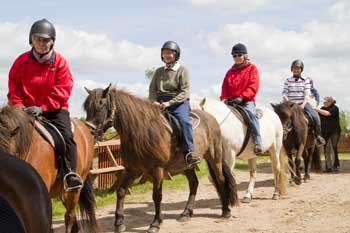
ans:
(170, 82)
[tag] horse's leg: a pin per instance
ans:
(158, 174)
(297, 178)
(125, 183)
(70, 201)
(252, 172)
(276, 169)
(291, 165)
(307, 162)
(193, 184)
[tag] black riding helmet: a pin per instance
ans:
(239, 48)
(297, 63)
(172, 45)
(42, 28)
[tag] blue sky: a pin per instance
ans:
(116, 41)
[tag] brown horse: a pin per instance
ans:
(297, 135)
(29, 145)
(25, 204)
(147, 147)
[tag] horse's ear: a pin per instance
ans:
(106, 91)
(202, 102)
(274, 105)
(87, 90)
(14, 131)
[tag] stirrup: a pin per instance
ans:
(192, 165)
(65, 183)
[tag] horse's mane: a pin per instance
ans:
(14, 118)
(137, 122)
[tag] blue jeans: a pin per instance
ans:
(250, 108)
(182, 112)
(308, 109)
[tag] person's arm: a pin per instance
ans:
(15, 95)
(183, 93)
(225, 88)
(62, 88)
(322, 112)
(152, 91)
(253, 85)
(285, 91)
(307, 92)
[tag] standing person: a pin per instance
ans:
(169, 89)
(240, 86)
(40, 81)
(329, 114)
(298, 90)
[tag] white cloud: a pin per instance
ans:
(230, 5)
(340, 10)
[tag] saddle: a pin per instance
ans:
(310, 122)
(173, 126)
(243, 116)
(53, 136)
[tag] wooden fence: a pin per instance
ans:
(344, 143)
(107, 164)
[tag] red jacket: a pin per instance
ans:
(242, 81)
(48, 85)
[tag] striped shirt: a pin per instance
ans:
(296, 89)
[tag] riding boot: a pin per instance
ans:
(258, 149)
(192, 160)
(320, 140)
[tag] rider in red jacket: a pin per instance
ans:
(240, 86)
(40, 81)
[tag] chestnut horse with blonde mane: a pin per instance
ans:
(147, 147)
(25, 142)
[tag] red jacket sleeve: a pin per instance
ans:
(224, 87)
(15, 96)
(253, 85)
(62, 88)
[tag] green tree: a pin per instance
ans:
(344, 121)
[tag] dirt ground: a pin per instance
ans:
(321, 205)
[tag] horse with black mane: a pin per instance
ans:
(19, 137)
(298, 136)
(147, 147)
(25, 204)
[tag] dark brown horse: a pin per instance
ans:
(298, 137)
(25, 204)
(147, 147)
(29, 145)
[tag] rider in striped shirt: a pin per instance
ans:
(297, 90)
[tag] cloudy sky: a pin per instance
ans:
(116, 41)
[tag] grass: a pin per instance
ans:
(104, 198)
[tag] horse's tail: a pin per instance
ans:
(282, 179)
(87, 206)
(316, 165)
(228, 190)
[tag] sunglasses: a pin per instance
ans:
(237, 55)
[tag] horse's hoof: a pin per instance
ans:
(297, 180)
(275, 196)
(226, 214)
(183, 218)
(120, 228)
(246, 200)
(153, 229)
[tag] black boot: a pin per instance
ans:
(192, 160)
(258, 149)
(320, 140)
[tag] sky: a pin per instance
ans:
(116, 41)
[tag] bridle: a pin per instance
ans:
(287, 127)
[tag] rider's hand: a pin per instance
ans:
(237, 100)
(164, 105)
(34, 110)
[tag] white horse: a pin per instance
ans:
(233, 132)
